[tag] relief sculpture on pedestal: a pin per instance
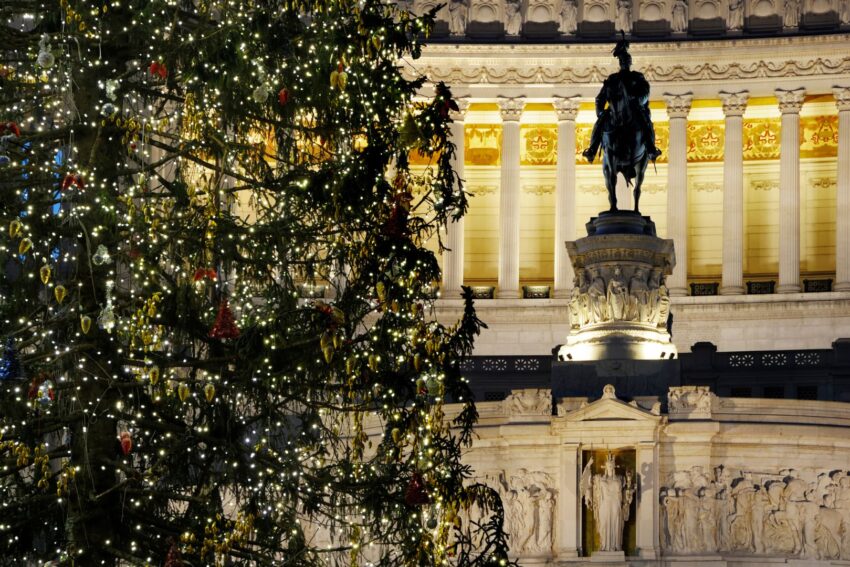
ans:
(601, 295)
(530, 499)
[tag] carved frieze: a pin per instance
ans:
(604, 293)
(528, 402)
(690, 401)
(530, 500)
(786, 513)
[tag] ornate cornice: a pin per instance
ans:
(511, 108)
(842, 97)
(566, 107)
(734, 104)
(680, 62)
(790, 101)
(678, 105)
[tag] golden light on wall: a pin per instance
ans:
(483, 144)
(538, 144)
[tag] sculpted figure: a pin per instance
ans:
(546, 510)
(597, 297)
(844, 13)
(673, 515)
(680, 16)
(623, 123)
(829, 529)
(568, 17)
(513, 17)
(761, 511)
(709, 517)
(458, 14)
(735, 21)
(690, 503)
(610, 496)
(618, 296)
(662, 307)
(624, 16)
(742, 520)
(575, 308)
(517, 528)
(641, 296)
(792, 14)
(726, 505)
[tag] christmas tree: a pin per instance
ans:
(216, 294)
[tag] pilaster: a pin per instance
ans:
(566, 109)
(790, 103)
(842, 220)
(734, 105)
(453, 256)
(509, 194)
(678, 108)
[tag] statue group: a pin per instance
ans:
(765, 514)
(609, 495)
(529, 498)
(603, 294)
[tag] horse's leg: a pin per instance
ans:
(641, 171)
(610, 174)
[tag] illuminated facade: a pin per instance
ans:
(752, 113)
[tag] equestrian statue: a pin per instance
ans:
(623, 127)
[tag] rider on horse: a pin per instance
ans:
(627, 96)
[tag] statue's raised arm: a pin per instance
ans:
(623, 127)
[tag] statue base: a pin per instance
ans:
(619, 307)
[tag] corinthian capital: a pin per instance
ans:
(462, 106)
(678, 105)
(790, 101)
(566, 107)
(511, 108)
(842, 97)
(734, 104)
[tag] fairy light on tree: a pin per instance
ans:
(172, 176)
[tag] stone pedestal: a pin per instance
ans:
(620, 307)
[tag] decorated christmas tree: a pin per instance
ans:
(218, 341)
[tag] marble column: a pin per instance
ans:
(566, 109)
(509, 195)
(678, 107)
(790, 103)
(569, 521)
(842, 222)
(453, 255)
(647, 521)
(734, 105)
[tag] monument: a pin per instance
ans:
(620, 307)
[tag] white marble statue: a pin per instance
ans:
(513, 17)
(597, 296)
(679, 23)
(624, 16)
(610, 496)
(458, 14)
(568, 16)
(791, 18)
(618, 296)
(735, 21)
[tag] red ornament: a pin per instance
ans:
(72, 180)
(157, 68)
(173, 557)
(224, 326)
(10, 127)
(202, 273)
(283, 96)
(126, 442)
(416, 495)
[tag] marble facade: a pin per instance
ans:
(703, 493)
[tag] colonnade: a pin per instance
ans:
(678, 107)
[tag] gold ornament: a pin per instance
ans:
(44, 272)
(15, 228)
(417, 361)
(328, 351)
(59, 292)
(183, 391)
(154, 375)
(24, 246)
(396, 433)
(209, 392)
(85, 324)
